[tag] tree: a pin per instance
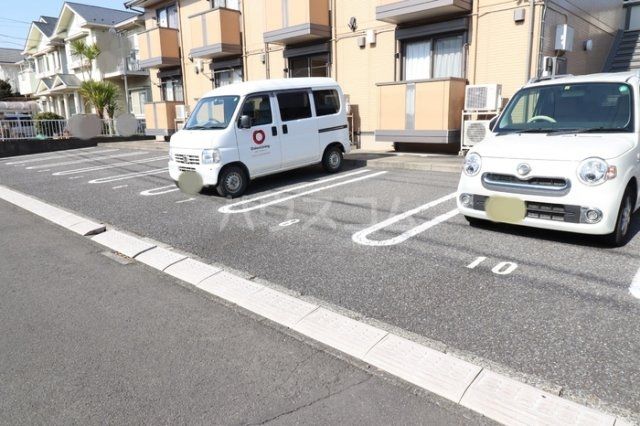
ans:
(102, 95)
(5, 90)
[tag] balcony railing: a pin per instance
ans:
(161, 118)
(159, 47)
(215, 33)
(401, 11)
(296, 21)
(425, 111)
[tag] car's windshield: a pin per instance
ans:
(213, 113)
(580, 107)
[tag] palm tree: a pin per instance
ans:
(101, 95)
(90, 52)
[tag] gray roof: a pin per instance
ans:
(100, 15)
(69, 80)
(48, 26)
(10, 56)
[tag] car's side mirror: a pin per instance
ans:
(493, 122)
(245, 122)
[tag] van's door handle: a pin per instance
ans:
(274, 131)
(285, 129)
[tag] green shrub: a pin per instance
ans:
(49, 128)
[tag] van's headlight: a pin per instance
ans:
(210, 156)
(594, 171)
(472, 164)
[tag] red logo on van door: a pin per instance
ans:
(259, 137)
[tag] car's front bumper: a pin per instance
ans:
(208, 172)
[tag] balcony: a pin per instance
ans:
(161, 118)
(129, 66)
(159, 48)
(424, 111)
(215, 34)
(27, 82)
(399, 12)
(297, 21)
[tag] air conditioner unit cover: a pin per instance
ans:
(180, 112)
(482, 97)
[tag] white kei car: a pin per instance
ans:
(563, 155)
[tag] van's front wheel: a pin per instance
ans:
(332, 159)
(232, 182)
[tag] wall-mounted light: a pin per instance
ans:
(588, 45)
(353, 23)
(263, 58)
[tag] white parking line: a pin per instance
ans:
(119, 186)
(129, 176)
(45, 170)
(289, 222)
(635, 286)
(159, 191)
(362, 237)
(185, 201)
(229, 209)
(75, 177)
(54, 157)
(109, 166)
(84, 160)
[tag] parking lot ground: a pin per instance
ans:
(88, 338)
(389, 245)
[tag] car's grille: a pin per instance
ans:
(187, 159)
(186, 169)
(545, 211)
(552, 186)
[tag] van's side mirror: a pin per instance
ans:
(493, 122)
(245, 122)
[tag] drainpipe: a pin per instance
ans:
(245, 56)
(266, 60)
(182, 53)
(541, 43)
(334, 31)
(532, 11)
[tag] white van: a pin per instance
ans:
(246, 130)
(563, 155)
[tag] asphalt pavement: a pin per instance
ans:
(552, 309)
(92, 337)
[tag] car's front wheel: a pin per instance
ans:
(232, 182)
(620, 235)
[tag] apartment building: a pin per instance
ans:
(53, 74)
(404, 64)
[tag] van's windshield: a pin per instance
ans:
(564, 108)
(213, 113)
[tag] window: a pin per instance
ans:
(137, 99)
(172, 89)
(593, 107)
(226, 76)
(294, 105)
(436, 57)
(258, 108)
(213, 113)
(327, 102)
(229, 4)
(167, 17)
(309, 66)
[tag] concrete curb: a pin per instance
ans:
(405, 162)
(493, 395)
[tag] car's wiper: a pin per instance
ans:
(195, 128)
(537, 130)
(587, 130)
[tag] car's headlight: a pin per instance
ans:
(170, 154)
(210, 156)
(594, 171)
(472, 164)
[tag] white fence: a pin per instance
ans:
(19, 128)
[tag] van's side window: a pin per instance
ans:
(327, 102)
(258, 108)
(294, 105)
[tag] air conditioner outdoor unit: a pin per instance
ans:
(483, 97)
(475, 131)
(554, 65)
(181, 112)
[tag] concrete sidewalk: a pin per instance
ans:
(89, 336)
(364, 158)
